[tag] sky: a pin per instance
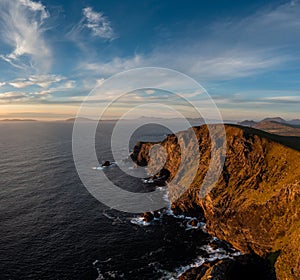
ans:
(246, 54)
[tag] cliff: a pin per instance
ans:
(255, 204)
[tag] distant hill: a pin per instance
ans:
(18, 120)
(275, 125)
(247, 123)
(79, 119)
(275, 119)
(295, 122)
(278, 128)
(270, 119)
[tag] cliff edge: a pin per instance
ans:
(255, 204)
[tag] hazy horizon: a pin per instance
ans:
(146, 117)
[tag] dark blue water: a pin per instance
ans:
(52, 228)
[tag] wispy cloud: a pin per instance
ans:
(278, 26)
(13, 97)
(235, 48)
(93, 21)
(282, 99)
(22, 29)
(259, 97)
(227, 64)
(35, 6)
(36, 89)
(114, 66)
(43, 81)
(98, 23)
(61, 88)
(235, 63)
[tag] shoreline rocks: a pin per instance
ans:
(106, 163)
(147, 217)
(150, 216)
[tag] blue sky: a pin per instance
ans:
(246, 54)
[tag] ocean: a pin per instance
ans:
(51, 227)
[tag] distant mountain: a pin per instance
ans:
(79, 119)
(279, 128)
(247, 123)
(275, 119)
(295, 122)
(18, 120)
(275, 125)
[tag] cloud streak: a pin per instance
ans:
(227, 64)
(95, 22)
(13, 97)
(22, 30)
(43, 81)
(36, 89)
(235, 48)
(98, 23)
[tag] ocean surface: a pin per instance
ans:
(52, 228)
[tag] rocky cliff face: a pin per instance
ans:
(255, 204)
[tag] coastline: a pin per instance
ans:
(254, 217)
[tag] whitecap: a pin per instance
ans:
(148, 181)
(98, 168)
(113, 163)
(139, 221)
(213, 254)
(189, 226)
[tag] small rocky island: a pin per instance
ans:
(254, 206)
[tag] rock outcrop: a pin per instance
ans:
(106, 163)
(255, 204)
